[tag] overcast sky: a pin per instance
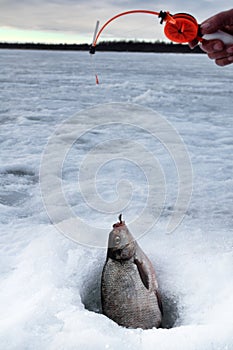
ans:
(73, 21)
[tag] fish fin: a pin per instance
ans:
(158, 295)
(142, 272)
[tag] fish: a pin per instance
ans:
(129, 289)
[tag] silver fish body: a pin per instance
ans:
(129, 289)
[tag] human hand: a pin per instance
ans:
(215, 48)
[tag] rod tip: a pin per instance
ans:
(92, 50)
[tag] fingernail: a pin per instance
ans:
(230, 49)
(205, 26)
(218, 47)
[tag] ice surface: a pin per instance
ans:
(49, 288)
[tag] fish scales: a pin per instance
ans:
(137, 307)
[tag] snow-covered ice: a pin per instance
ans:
(50, 285)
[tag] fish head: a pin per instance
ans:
(121, 243)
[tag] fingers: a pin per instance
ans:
(216, 22)
(224, 61)
(216, 50)
(211, 46)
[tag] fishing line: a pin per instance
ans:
(94, 70)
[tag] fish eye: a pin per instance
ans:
(117, 240)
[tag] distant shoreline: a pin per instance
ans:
(108, 46)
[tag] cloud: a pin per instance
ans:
(79, 16)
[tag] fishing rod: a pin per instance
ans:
(179, 28)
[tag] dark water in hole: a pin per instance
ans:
(170, 309)
(90, 293)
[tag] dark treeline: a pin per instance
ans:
(120, 46)
(41, 46)
(143, 46)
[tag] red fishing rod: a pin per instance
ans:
(179, 28)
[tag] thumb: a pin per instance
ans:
(219, 21)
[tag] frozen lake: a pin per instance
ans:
(158, 126)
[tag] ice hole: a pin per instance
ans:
(91, 298)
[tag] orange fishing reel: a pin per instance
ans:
(181, 28)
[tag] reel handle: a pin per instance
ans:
(226, 38)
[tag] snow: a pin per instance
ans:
(158, 126)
